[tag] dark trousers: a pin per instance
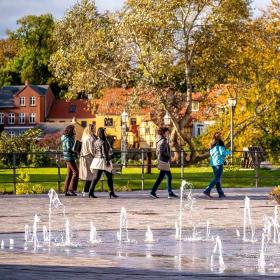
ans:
(87, 186)
(218, 172)
(72, 178)
(97, 173)
(161, 175)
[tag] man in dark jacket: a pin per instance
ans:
(164, 157)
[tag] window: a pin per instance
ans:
(32, 118)
(133, 121)
(32, 100)
(147, 130)
(22, 101)
(83, 123)
(72, 108)
(108, 122)
(21, 118)
(1, 118)
(151, 144)
(198, 129)
(12, 133)
(195, 106)
(11, 119)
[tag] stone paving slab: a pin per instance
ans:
(16, 211)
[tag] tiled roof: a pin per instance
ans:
(113, 101)
(7, 94)
(41, 89)
(62, 109)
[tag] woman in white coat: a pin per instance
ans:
(86, 156)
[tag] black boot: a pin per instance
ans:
(112, 194)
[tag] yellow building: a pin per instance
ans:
(141, 131)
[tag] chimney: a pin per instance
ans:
(26, 83)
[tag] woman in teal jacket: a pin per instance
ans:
(72, 178)
(218, 154)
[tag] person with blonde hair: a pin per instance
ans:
(86, 156)
(218, 154)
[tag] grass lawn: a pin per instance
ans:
(130, 179)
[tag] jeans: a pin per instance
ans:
(72, 178)
(218, 172)
(97, 173)
(159, 180)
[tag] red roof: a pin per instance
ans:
(114, 101)
(62, 109)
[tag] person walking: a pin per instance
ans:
(72, 178)
(102, 163)
(86, 157)
(218, 154)
(163, 157)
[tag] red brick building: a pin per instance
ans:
(23, 107)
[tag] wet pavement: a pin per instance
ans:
(165, 258)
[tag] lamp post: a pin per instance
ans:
(167, 119)
(232, 104)
(124, 119)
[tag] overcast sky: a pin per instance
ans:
(11, 10)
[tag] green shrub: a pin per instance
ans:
(25, 187)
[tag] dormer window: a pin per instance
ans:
(195, 106)
(32, 100)
(22, 101)
(72, 108)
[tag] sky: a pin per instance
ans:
(12, 10)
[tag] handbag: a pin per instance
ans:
(163, 166)
(77, 147)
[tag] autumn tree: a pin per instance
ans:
(180, 46)
(256, 85)
(88, 57)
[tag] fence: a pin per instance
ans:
(46, 168)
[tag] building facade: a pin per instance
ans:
(24, 107)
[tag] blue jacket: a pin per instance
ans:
(218, 154)
(67, 145)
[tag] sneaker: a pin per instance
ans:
(73, 193)
(153, 195)
(222, 195)
(208, 194)
(68, 194)
(172, 195)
